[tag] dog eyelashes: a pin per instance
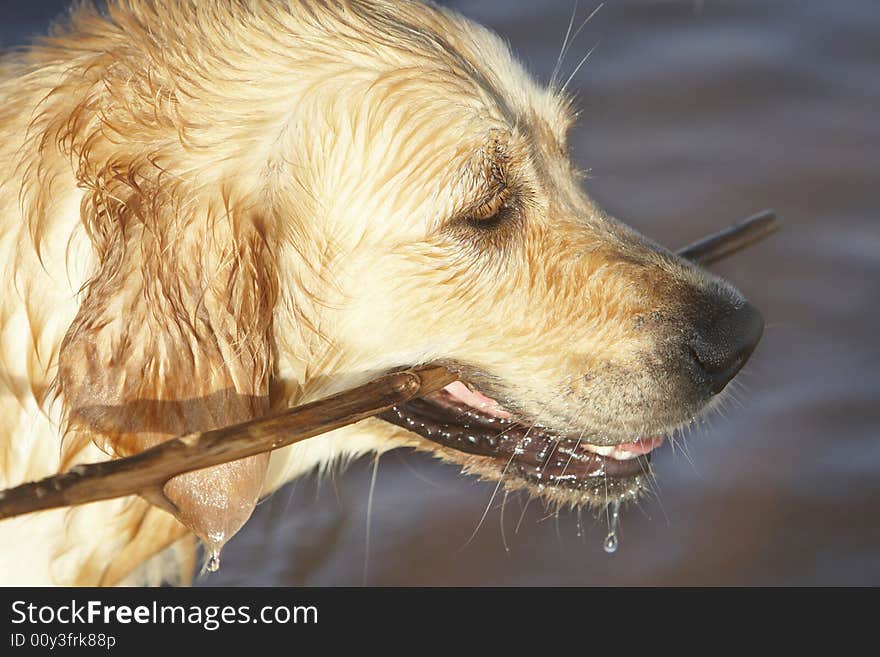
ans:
(494, 221)
(488, 209)
(492, 213)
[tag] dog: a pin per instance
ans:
(213, 211)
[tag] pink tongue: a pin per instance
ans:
(475, 400)
(642, 446)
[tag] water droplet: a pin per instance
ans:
(213, 564)
(611, 541)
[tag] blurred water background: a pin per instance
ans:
(695, 113)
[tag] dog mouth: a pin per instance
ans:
(461, 418)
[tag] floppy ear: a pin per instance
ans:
(173, 335)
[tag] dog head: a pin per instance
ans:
(454, 229)
(348, 189)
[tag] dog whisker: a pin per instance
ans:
(562, 50)
(375, 469)
(569, 43)
(522, 514)
(578, 67)
(501, 523)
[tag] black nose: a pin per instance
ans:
(725, 338)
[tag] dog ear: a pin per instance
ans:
(173, 335)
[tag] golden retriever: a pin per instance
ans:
(210, 210)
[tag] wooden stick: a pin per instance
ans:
(731, 240)
(147, 472)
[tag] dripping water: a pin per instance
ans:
(611, 541)
(213, 564)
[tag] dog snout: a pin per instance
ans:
(723, 340)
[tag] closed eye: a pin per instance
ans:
(491, 212)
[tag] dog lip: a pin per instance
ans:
(464, 419)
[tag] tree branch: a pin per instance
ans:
(147, 472)
(731, 240)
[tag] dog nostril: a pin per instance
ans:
(725, 340)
